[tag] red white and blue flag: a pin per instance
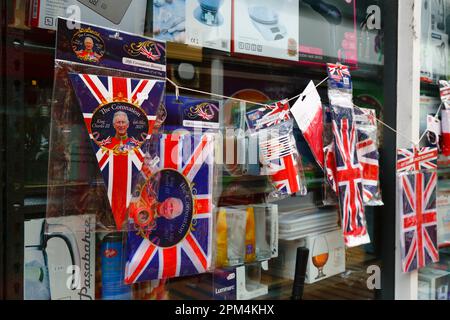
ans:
(283, 173)
(181, 246)
(349, 177)
(417, 188)
(120, 160)
(368, 154)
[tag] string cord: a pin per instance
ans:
(178, 88)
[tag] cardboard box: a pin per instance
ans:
(208, 24)
(332, 258)
(327, 32)
(433, 284)
(169, 20)
(59, 258)
(266, 28)
(123, 15)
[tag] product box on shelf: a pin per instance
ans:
(266, 28)
(326, 257)
(239, 283)
(433, 284)
(169, 20)
(59, 258)
(434, 41)
(208, 24)
(334, 38)
(123, 15)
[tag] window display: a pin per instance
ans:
(204, 175)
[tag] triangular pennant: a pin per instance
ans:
(119, 114)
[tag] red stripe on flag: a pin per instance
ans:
(94, 88)
(88, 122)
(120, 89)
(202, 206)
(195, 157)
(147, 255)
(139, 90)
(119, 189)
(169, 262)
(197, 251)
(171, 152)
(103, 159)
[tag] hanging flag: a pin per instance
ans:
(281, 160)
(119, 114)
(368, 155)
(349, 177)
(417, 204)
(445, 142)
(170, 225)
(308, 114)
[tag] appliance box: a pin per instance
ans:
(208, 24)
(59, 258)
(266, 28)
(123, 15)
(433, 284)
(284, 266)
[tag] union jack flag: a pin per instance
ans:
(269, 115)
(283, 173)
(348, 177)
(191, 156)
(339, 76)
(418, 220)
(368, 154)
(416, 159)
(119, 167)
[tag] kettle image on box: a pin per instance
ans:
(38, 233)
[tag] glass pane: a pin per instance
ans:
(329, 31)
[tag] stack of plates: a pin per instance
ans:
(296, 224)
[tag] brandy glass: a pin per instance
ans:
(320, 255)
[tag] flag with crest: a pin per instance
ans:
(119, 114)
(170, 221)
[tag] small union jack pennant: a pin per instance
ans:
(339, 77)
(180, 207)
(119, 114)
(417, 188)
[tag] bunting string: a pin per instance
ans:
(178, 88)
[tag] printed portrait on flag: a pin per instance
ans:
(170, 219)
(120, 115)
(417, 187)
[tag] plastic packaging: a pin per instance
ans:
(348, 171)
(368, 155)
(281, 160)
(107, 71)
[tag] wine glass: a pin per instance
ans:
(320, 255)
